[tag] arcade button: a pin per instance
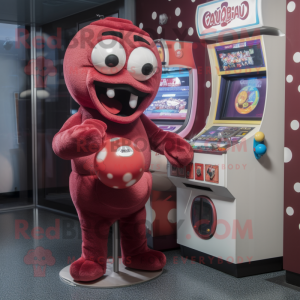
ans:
(259, 137)
(199, 174)
(189, 174)
(260, 149)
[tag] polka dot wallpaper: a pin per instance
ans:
(180, 26)
(292, 141)
(181, 18)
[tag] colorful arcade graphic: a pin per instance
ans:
(171, 101)
(212, 173)
(247, 100)
(237, 59)
(240, 56)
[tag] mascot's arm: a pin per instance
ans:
(77, 138)
(178, 152)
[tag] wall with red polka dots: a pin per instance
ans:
(181, 25)
(292, 141)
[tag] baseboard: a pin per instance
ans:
(293, 278)
(236, 270)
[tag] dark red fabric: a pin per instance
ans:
(98, 205)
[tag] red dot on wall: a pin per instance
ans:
(188, 236)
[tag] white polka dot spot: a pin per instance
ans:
(130, 183)
(179, 24)
(102, 155)
(177, 39)
(154, 15)
(191, 31)
(127, 177)
(297, 187)
(115, 187)
(290, 211)
(172, 218)
(193, 0)
(141, 25)
(159, 29)
(287, 155)
(295, 125)
(289, 78)
(141, 169)
(177, 11)
(153, 214)
(177, 46)
(296, 57)
(299, 88)
(110, 176)
(291, 6)
(208, 84)
(114, 139)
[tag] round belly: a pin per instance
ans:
(90, 195)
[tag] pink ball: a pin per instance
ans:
(120, 163)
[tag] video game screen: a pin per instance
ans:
(171, 101)
(242, 98)
(240, 56)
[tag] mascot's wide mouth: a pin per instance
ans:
(119, 99)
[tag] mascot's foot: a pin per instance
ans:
(86, 270)
(148, 261)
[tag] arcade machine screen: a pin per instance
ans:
(170, 107)
(241, 98)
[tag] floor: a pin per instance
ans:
(179, 280)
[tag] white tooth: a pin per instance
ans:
(110, 93)
(133, 101)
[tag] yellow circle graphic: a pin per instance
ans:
(247, 100)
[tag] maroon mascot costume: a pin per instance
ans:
(112, 69)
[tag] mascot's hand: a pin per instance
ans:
(178, 152)
(89, 135)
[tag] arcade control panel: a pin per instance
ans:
(211, 167)
(218, 138)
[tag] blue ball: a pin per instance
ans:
(260, 149)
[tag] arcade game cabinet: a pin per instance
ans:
(230, 206)
(174, 109)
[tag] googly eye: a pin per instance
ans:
(108, 57)
(142, 64)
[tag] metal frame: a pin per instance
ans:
(33, 104)
(128, 11)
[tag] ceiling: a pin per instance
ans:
(44, 11)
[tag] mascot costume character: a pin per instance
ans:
(112, 69)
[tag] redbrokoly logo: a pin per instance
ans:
(39, 258)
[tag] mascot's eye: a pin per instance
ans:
(108, 57)
(142, 64)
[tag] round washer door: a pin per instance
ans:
(204, 217)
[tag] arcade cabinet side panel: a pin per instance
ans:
(204, 87)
